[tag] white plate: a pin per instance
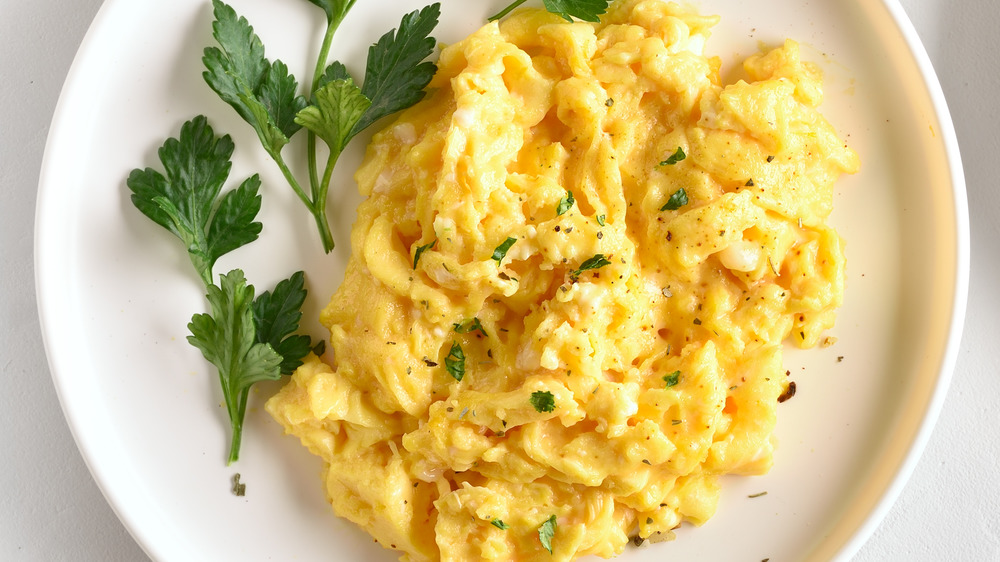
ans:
(116, 291)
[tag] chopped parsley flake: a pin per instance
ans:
(674, 158)
(239, 488)
(676, 201)
(454, 363)
(499, 524)
(501, 251)
(421, 250)
(565, 204)
(601, 219)
(672, 379)
(596, 262)
(469, 326)
(543, 401)
(546, 531)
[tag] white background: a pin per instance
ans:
(50, 508)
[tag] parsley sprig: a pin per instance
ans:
(335, 110)
(248, 340)
(587, 10)
(227, 339)
(186, 201)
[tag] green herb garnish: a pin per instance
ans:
(601, 219)
(454, 363)
(672, 379)
(239, 488)
(565, 204)
(543, 401)
(186, 200)
(264, 94)
(676, 201)
(421, 249)
(587, 10)
(469, 326)
(499, 524)
(501, 251)
(546, 532)
(227, 337)
(674, 158)
(247, 340)
(276, 315)
(596, 262)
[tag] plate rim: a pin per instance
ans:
(959, 300)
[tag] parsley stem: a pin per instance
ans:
(318, 204)
(324, 54)
(236, 421)
(320, 201)
(291, 180)
(507, 10)
(323, 225)
(311, 156)
(317, 207)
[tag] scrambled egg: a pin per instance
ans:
(571, 279)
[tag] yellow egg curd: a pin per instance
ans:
(571, 279)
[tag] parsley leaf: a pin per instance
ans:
(261, 92)
(587, 10)
(395, 77)
(338, 106)
(501, 251)
(499, 524)
(596, 262)
(335, 9)
(676, 201)
(276, 317)
(672, 379)
(601, 219)
(543, 401)
(336, 71)
(469, 326)
(454, 363)
(565, 204)
(546, 531)
(674, 158)
(421, 249)
(227, 339)
(197, 165)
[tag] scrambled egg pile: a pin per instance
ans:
(571, 279)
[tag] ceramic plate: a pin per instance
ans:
(116, 292)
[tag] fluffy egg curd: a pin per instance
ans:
(570, 284)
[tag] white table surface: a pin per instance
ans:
(51, 509)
